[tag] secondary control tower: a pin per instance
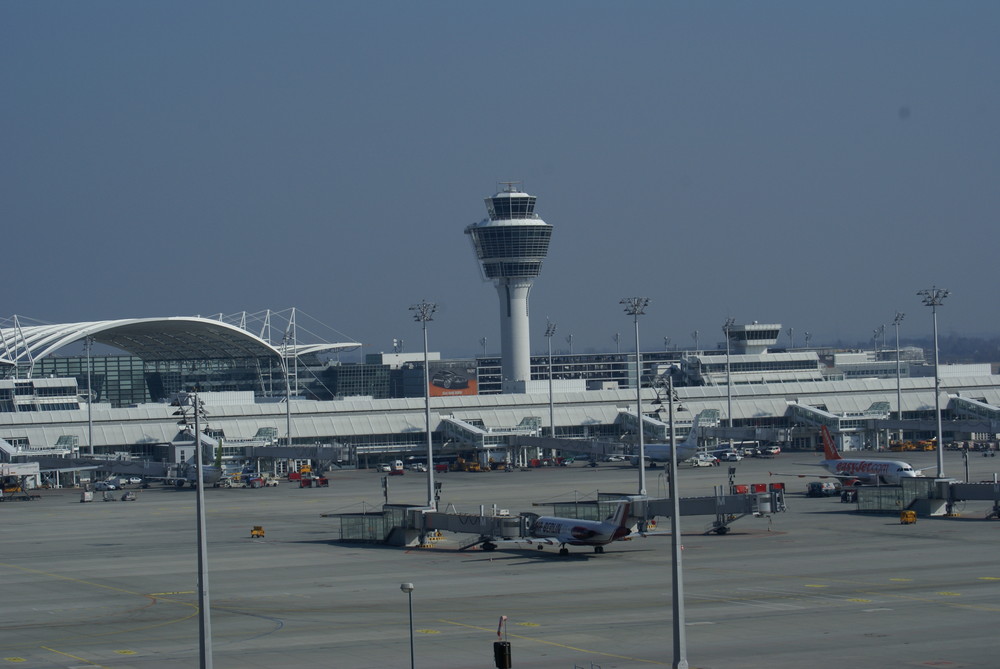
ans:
(511, 245)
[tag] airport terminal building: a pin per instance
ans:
(111, 388)
(120, 405)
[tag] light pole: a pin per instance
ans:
(550, 330)
(90, 400)
(635, 307)
(408, 589)
(204, 611)
(899, 389)
(694, 335)
(677, 572)
(791, 337)
(422, 313)
(726, 327)
(933, 298)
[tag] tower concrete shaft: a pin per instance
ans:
(515, 340)
(511, 245)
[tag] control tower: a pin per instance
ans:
(511, 245)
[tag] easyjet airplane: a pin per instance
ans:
(863, 471)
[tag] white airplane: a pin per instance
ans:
(187, 472)
(863, 471)
(562, 532)
(685, 449)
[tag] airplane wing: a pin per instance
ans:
(492, 543)
(842, 477)
(643, 535)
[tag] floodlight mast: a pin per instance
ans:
(726, 328)
(934, 297)
(90, 399)
(550, 330)
(204, 609)
(422, 313)
(635, 307)
(899, 388)
(677, 570)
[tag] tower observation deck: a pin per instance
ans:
(511, 245)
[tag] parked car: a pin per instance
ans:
(418, 467)
(823, 488)
(771, 450)
(730, 456)
(135, 480)
(105, 485)
(614, 458)
(383, 467)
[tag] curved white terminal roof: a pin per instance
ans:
(174, 338)
(306, 349)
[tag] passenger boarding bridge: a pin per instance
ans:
(656, 430)
(405, 525)
(808, 415)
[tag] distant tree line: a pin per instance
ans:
(955, 348)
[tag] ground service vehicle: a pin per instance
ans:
(704, 460)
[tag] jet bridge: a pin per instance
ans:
(967, 407)
(474, 433)
(727, 509)
(965, 492)
(404, 525)
(927, 496)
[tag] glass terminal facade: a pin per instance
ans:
(597, 369)
(29, 395)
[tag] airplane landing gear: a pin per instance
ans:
(563, 551)
(598, 549)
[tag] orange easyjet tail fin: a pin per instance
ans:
(829, 449)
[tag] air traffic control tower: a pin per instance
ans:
(511, 245)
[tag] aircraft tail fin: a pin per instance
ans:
(692, 436)
(829, 448)
(690, 443)
(620, 516)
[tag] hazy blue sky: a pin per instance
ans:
(808, 163)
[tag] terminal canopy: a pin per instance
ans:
(150, 339)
